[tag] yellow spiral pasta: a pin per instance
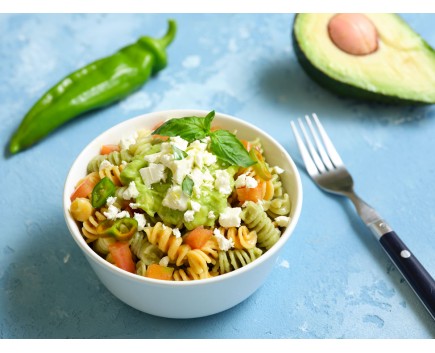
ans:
(113, 173)
(89, 227)
(188, 275)
(166, 241)
(242, 237)
(198, 262)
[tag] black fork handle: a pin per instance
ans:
(412, 270)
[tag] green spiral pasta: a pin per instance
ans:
(115, 157)
(101, 245)
(142, 146)
(146, 252)
(280, 206)
(277, 184)
(257, 219)
(233, 259)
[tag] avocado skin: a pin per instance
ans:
(344, 89)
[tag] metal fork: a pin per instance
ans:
(326, 168)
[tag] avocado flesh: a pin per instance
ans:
(402, 70)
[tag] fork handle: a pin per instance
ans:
(415, 274)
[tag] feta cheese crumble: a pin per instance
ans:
(211, 215)
(104, 165)
(164, 261)
(282, 221)
(189, 216)
(230, 217)
(131, 192)
(127, 141)
(222, 182)
(278, 170)
(179, 142)
(176, 199)
(224, 243)
(152, 174)
(247, 181)
(196, 207)
(114, 212)
(141, 221)
(176, 232)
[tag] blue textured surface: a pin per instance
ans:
(331, 281)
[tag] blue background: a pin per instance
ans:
(331, 280)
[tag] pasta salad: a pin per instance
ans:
(184, 201)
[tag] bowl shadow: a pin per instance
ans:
(50, 291)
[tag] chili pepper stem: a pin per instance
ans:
(170, 34)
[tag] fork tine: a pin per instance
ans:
(309, 164)
(319, 145)
(313, 152)
(332, 152)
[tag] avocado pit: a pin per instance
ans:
(353, 33)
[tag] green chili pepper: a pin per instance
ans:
(260, 166)
(100, 83)
(122, 229)
(104, 189)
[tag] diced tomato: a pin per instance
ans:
(86, 186)
(122, 256)
(107, 149)
(247, 144)
(214, 128)
(252, 194)
(159, 272)
(197, 238)
(160, 137)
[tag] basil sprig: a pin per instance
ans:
(225, 145)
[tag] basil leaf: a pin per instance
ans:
(187, 185)
(228, 148)
(190, 128)
(178, 154)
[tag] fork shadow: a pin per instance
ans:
(379, 257)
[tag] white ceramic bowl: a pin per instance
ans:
(194, 298)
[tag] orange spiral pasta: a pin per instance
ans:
(163, 237)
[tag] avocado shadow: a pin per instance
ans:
(285, 83)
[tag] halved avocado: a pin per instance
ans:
(400, 70)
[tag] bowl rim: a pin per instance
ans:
(78, 237)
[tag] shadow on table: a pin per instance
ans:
(379, 257)
(50, 291)
(285, 83)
